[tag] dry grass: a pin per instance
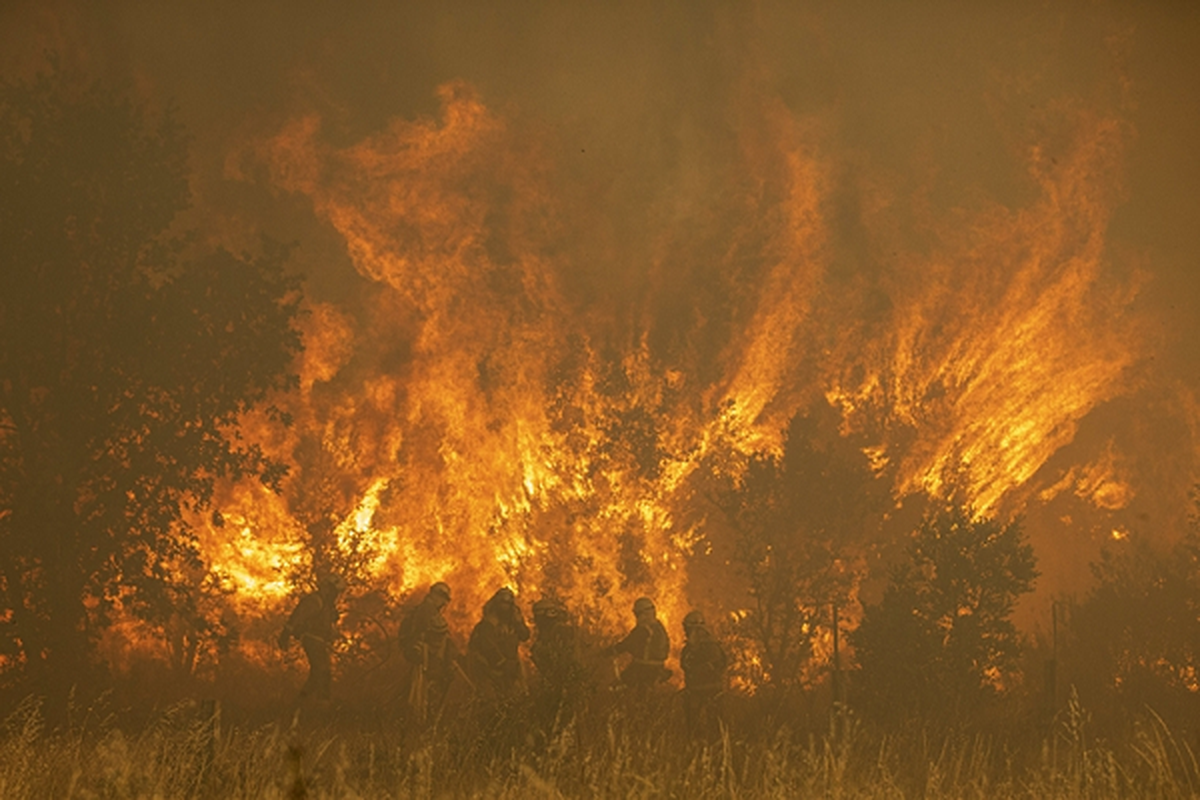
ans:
(636, 752)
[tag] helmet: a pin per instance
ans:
(643, 605)
(331, 582)
(441, 588)
(549, 610)
(505, 596)
(693, 619)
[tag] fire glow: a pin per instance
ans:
(480, 422)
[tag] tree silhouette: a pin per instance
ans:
(941, 642)
(123, 368)
(797, 522)
(1135, 638)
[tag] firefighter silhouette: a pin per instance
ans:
(648, 646)
(492, 653)
(425, 641)
(314, 622)
(555, 655)
(703, 661)
(555, 651)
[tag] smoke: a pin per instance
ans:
(531, 232)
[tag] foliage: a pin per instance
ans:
(941, 642)
(1136, 636)
(123, 367)
(797, 520)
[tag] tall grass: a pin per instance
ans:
(611, 749)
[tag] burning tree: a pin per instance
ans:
(798, 522)
(1136, 636)
(941, 641)
(124, 367)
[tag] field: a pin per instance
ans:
(611, 749)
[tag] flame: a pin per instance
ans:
(1104, 482)
(478, 421)
(258, 549)
(477, 468)
(357, 535)
(1009, 334)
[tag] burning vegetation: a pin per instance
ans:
(798, 411)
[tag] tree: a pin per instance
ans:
(941, 642)
(1135, 638)
(797, 520)
(124, 367)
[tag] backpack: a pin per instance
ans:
(659, 646)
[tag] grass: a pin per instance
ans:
(611, 749)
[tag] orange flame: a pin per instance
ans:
(1009, 336)
(477, 424)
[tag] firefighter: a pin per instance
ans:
(703, 661)
(554, 650)
(555, 654)
(426, 644)
(314, 622)
(495, 664)
(647, 644)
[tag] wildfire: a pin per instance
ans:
(480, 423)
(1007, 336)
(256, 550)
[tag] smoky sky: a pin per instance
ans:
(929, 97)
(902, 82)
